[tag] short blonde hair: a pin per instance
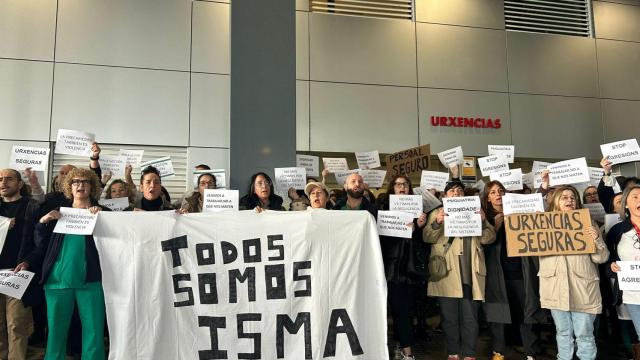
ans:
(81, 173)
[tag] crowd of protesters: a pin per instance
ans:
(576, 293)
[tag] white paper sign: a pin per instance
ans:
(610, 220)
(510, 179)
(621, 151)
(537, 169)
(163, 164)
(407, 203)
(572, 171)
(220, 200)
(429, 201)
(368, 159)
(527, 179)
(4, 228)
(451, 157)
(73, 142)
(595, 174)
(394, 223)
(492, 163)
(115, 204)
(23, 157)
(221, 182)
(507, 151)
(462, 216)
(522, 203)
(75, 221)
(434, 180)
(290, 177)
(373, 178)
(113, 164)
(341, 176)
(310, 163)
(335, 164)
(14, 284)
(629, 275)
(596, 210)
(134, 157)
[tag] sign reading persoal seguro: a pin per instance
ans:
(407, 203)
(507, 151)
(462, 216)
(394, 223)
(368, 159)
(522, 203)
(23, 157)
(451, 157)
(510, 179)
(621, 151)
(75, 221)
(220, 200)
(409, 161)
(73, 142)
(434, 180)
(310, 163)
(493, 163)
(574, 171)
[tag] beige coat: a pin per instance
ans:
(451, 285)
(572, 282)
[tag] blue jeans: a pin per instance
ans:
(634, 312)
(570, 323)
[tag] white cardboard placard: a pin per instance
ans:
(290, 177)
(537, 169)
(507, 151)
(75, 221)
(163, 164)
(310, 163)
(341, 176)
(620, 152)
(23, 157)
(572, 171)
(368, 159)
(451, 157)
(394, 223)
(335, 164)
(216, 200)
(629, 275)
(522, 203)
(74, 142)
(434, 180)
(510, 179)
(134, 157)
(462, 216)
(407, 203)
(373, 178)
(113, 164)
(115, 204)
(492, 163)
(15, 284)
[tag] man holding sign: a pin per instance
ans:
(460, 287)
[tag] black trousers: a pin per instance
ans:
(401, 302)
(460, 323)
(530, 339)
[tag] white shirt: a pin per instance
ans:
(627, 252)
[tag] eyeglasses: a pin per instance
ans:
(77, 182)
(263, 183)
(401, 184)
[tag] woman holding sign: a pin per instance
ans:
(569, 285)
(260, 196)
(403, 279)
(625, 240)
(193, 203)
(511, 294)
(71, 272)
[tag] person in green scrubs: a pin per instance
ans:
(71, 272)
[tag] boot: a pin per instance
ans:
(636, 351)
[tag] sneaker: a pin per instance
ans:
(497, 356)
(453, 357)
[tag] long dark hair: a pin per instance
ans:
(253, 199)
(489, 211)
(390, 189)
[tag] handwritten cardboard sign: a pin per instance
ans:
(394, 223)
(574, 171)
(410, 161)
(75, 221)
(310, 163)
(462, 216)
(507, 151)
(73, 142)
(451, 157)
(368, 159)
(434, 180)
(549, 233)
(14, 284)
(115, 204)
(510, 179)
(621, 151)
(23, 157)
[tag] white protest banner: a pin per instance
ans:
(492, 163)
(566, 172)
(264, 271)
(368, 159)
(220, 200)
(451, 157)
(629, 275)
(335, 164)
(434, 180)
(537, 169)
(113, 164)
(115, 204)
(341, 176)
(510, 179)
(407, 203)
(290, 177)
(596, 210)
(23, 157)
(610, 220)
(134, 157)
(462, 216)
(221, 181)
(75, 221)
(620, 152)
(373, 178)
(310, 163)
(73, 142)
(522, 203)
(394, 223)
(14, 284)
(507, 151)
(595, 174)
(163, 164)
(429, 201)
(4, 229)
(527, 179)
